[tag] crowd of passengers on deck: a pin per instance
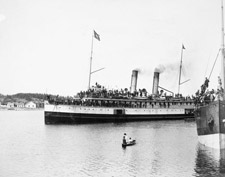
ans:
(87, 98)
(204, 96)
(99, 91)
(117, 103)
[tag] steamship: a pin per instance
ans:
(209, 112)
(131, 106)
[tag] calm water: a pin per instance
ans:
(28, 148)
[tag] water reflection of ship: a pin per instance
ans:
(209, 161)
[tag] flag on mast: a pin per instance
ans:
(96, 35)
(183, 46)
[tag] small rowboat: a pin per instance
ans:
(133, 142)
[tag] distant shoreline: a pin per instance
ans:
(21, 109)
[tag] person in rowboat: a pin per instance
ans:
(130, 140)
(124, 138)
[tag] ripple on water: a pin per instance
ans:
(164, 148)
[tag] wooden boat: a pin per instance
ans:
(131, 143)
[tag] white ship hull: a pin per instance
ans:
(76, 113)
(215, 141)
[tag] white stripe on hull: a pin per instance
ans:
(110, 110)
(216, 141)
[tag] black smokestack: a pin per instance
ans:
(155, 83)
(133, 85)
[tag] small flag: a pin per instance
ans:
(96, 35)
(183, 46)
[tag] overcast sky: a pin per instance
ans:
(45, 45)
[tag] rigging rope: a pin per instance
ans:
(214, 64)
(207, 66)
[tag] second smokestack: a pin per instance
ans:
(155, 83)
(133, 85)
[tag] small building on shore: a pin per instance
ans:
(10, 105)
(30, 104)
(19, 104)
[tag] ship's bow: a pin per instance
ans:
(210, 120)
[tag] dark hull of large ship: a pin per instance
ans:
(62, 114)
(72, 118)
(210, 120)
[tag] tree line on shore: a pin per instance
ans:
(22, 97)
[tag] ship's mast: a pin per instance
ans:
(89, 81)
(222, 49)
(95, 35)
(180, 68)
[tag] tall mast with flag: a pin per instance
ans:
(96, 36)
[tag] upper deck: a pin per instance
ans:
(127, 102)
